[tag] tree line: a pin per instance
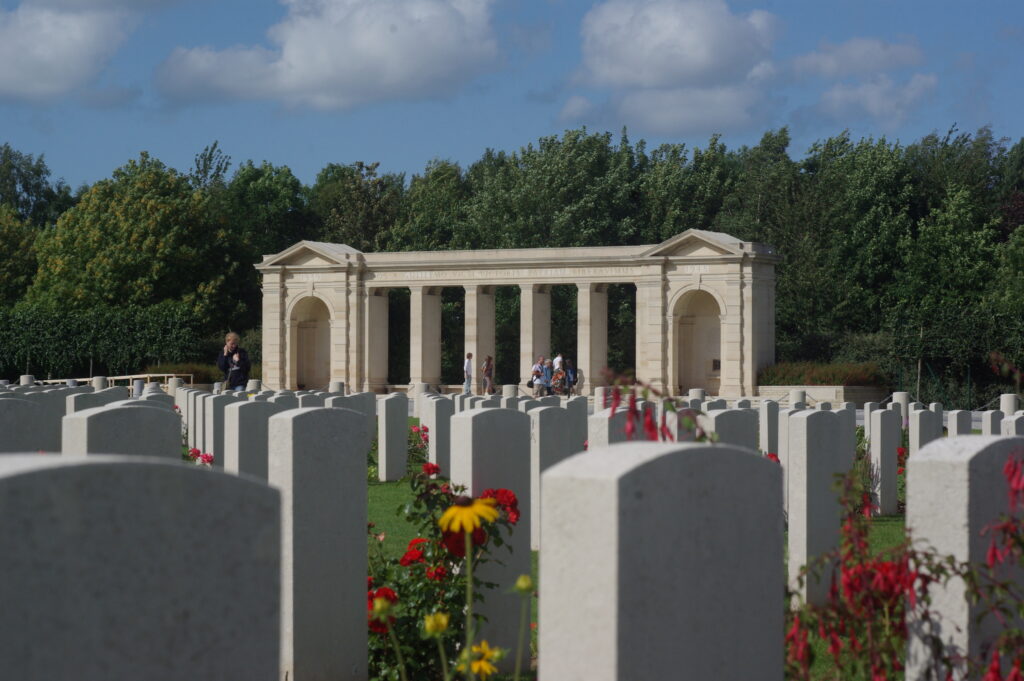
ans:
(910, 255)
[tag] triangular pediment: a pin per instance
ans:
(697, 243)
(312, 254)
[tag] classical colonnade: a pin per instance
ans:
(704, 310)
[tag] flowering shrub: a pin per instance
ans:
(193, 455)
(624, 389)
(428, 580)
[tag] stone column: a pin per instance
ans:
(591, 335)
(479, 329)
(274, 330)
(650, 333)
(534, 326)
(425, 335)
(376, 351)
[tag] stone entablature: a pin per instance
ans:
(705, 309)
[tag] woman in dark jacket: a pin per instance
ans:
(234, 362)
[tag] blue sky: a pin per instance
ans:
(303, 83)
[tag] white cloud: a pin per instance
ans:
(857, 56)
(672, 43)
(336, 54)
(576, 108)
(880, 98)
(47, 52)
(690, 110)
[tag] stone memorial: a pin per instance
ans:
(626, 571)
(122, 428)
(392, 437)
(550, 442)
(246, 429)
(141, 593)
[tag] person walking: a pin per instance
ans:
(467, 370)
(537, 376)
(549, 372)
(487, 371)
(570, 377)
(234, 362)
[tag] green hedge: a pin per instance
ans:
(55, 343)
(815, 373)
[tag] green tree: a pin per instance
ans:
(139, 238)
(269, 206)
(18, 264)
(434, 217)
(25, 187)
(356, 206)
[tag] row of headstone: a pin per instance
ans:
(612, 520)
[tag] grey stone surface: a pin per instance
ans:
(925, 426)
(783, 453)
(955, 488)
(550, 443)
(654, 569)
(902, 400)
(392, 437)
(437, 415)
(491, 449)
(510, 390)
(119, 428)
(526, 404)
(22, 422)
(715, 405)
(319, 464)
(868, 408)
(885, 438)
(213, 424)
(160, 398)
(310, 400)
(823, 406)
(509, 401)
(1008, 403)
(797, 395)
(576, 408)
(99, 382)
(768, 426)
(493, 402)
(102, 563)
(604, 429)
(1013, 425)
(246, 429)
(286, 400)
(958, 423)
(82, 401)
(847, 438)
(337, 387)
(734, 427)
(814, 511)
(992, 423)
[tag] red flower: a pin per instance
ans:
(994, 673)
(431, 469)
(455, 542)
(383, 592)
(411, 556)
(901, 470)
(425, 429)
(369, 582)
(207, 458)
(414, 429)
(772, 456)
(650, 430)
(1015, 674)
(507, 500)
(437, 574)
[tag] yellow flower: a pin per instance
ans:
(466, 514)
(524, 584)
(435, 624)
(381, 608)
(481, 663)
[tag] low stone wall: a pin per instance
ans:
(858, 394)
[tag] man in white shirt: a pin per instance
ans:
(467, 370)
(556, 363)
(537, 375)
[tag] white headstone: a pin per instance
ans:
(925, 426)
(490, 449)
(954, 491)
(992, 423)
(868, 408)
(318, 462)
(576, 408)
(734, 427)
(1013, 425)
(393, 437)
(137, 588)
(1008, 403)
(125, 429)
(814, 511)
(958, 423)
(550, 443)
(246, 428)
(885, 438)
(604, 429)
(768, 424)
(22, 423)
(436, 415)
(611, 609)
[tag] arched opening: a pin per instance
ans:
(311, 336)
(698, 320)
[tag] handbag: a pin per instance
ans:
(529, 384)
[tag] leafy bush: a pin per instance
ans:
(815, 373)
(57, 342)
